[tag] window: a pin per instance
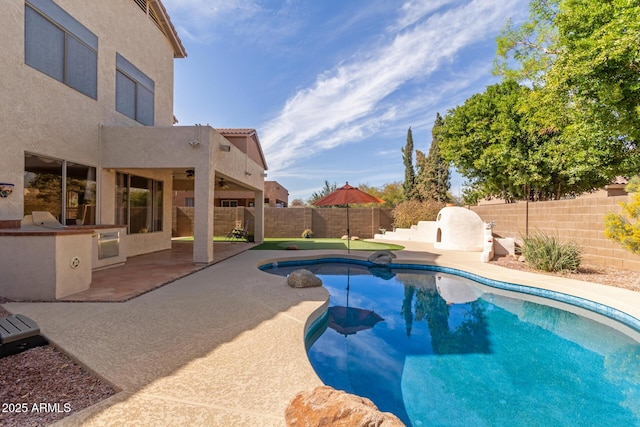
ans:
(134, 92)
(138, 203)
(67, 190)
(61, 47)
(189, 202)
(229, 203)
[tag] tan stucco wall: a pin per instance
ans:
(39, 267)
(184, 147)
(43, 116)
(142, 147)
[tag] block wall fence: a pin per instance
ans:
(578, 220)
(291, 222)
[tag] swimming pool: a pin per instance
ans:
(439, 349)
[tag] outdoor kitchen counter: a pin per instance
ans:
(42, 231)
(46, 264)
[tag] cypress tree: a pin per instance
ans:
(433, 180)
(409, 174)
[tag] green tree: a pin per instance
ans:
(391, 193)
(585, 57)
(325, 191)
(409, 173)
(432, 177)
(509, 144)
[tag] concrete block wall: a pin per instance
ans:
(291, 222)
(579, 220)
(286, 222)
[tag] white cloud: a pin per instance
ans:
(352, 101)
(414, 11)
(248, 21)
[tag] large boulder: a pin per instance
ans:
(382, 257)
(326, 406)
(303, 279)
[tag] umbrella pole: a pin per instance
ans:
(348, 232)
(348, 277)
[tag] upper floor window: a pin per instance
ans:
(134, 92)
(60, 46)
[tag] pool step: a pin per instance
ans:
(19, 333)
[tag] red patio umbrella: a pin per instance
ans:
(348, 320)
(344, 196)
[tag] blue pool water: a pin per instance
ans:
(451, 352)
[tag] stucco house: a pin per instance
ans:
(88, 134)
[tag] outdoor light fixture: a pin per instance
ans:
(194, 143)
(247, 173)
(5, 189)
(223, 147)
(264, 174)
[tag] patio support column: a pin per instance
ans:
(258, 231)
(203, 215)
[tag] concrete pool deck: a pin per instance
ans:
(224, 346)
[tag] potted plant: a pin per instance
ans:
(307, 233)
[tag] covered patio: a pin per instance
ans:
(143, 273)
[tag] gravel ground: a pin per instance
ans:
(45, 375)
(42, 385)
(589, 273)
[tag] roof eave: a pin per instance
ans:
(170, 31)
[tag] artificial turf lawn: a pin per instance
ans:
(337, 244)
(307, 244)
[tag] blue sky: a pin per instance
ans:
(332, 86)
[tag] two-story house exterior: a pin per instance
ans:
(87, 125)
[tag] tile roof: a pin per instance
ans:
(165, 24)
(620, 180)
(235, 131)
(248, 132)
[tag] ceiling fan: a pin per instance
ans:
(190, 173)
(222, 184)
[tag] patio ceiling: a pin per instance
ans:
(183, 181)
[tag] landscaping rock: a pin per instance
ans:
(382, 257)
(355, 238)
(292, 247)
(303, 279)
(345, 237)
(325, 406)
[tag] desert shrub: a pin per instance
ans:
(411, 211)
(545, 252)
(624, 227)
